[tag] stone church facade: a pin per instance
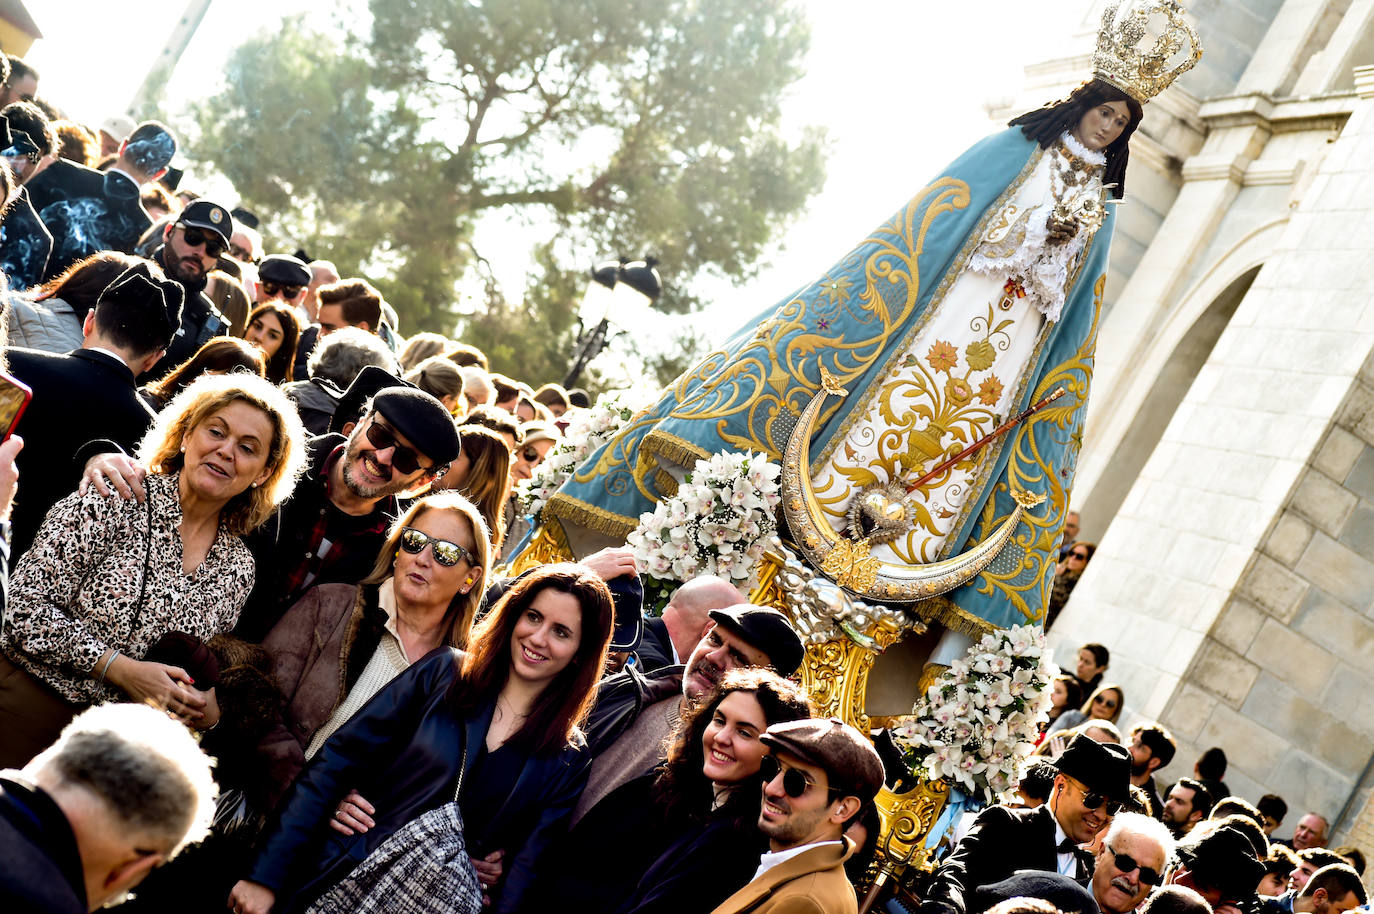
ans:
(1228, 466)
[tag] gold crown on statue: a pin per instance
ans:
(1142, 74)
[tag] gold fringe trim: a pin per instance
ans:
(571, 510)
(665, 483)
(951, 616)
(663, 444)
(548, 546)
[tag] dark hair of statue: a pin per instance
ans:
(682, 794)
(565, 701)
(1046, 125)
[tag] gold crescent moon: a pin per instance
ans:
(848, 563)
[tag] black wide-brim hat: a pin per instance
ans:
(1103, 768)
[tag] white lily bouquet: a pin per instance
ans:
(978, 722)
(593, 428)
(718, 523)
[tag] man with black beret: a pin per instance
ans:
(283, 278)
(1092, 785)
(89, 392)
(332, 527)
(191, 248)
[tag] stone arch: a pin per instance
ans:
(1134, 424)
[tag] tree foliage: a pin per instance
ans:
(594, 129)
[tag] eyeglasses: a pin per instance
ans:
(795, 783)
(445, 553)
(275, 288)
(195, 237)
(530, 454)
(403, 458)
(1092, 799)
(1126, 863)
(240, 253)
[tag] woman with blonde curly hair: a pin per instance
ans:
(107, 578)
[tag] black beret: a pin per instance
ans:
(422, 419)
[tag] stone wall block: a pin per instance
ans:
(1344, 748)
(1272, 588)
(1250, 747)
(1291, 658)
(1288, 539)
(1360, 479)
(1338, 453)
(1343, 573)
(1358, 532)
(1322, 501)
(1240, 621)
(1187, 712)
(1289, 716)
(1307, 783)
(1330, 623)
(1223, 672)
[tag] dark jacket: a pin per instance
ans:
(76, 397)
(201, 322)
(620, 699)
(279, 545)
(87, 211)
(655, 649)
(42, 869)
(406, 751)
(1001, 841)
(699, 870)
(25, 244)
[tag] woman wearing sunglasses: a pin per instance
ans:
(1104, 704)
(493, 729)
(341, 643)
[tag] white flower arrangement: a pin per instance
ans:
(978, 722)
(718, 523)
(589, 431)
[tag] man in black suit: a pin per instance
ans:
(671, 638)
(1092, 784)
(89, 393)
(88, 211)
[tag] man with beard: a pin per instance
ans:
(628, 729)
(1130, 862)
(1152, 747)
(1188, 804)
(818, 778)
(89, 211)
(191, 248)
(1092, 785)
(25, 242)
(332, 527)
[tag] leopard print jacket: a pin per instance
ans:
(75, 593)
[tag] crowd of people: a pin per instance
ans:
(251, 522)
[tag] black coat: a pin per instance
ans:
(1001, 841)
(87, 211)
(655, 649)
(25, 244)
(201, 322)
(77, 396)
(42, 869)
(404, 752)
(698, 871)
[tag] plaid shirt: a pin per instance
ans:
(310, 541)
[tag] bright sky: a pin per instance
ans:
(900, 84)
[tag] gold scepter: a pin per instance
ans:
(990, 436)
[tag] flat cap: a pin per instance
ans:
(1103, 768)
(284, 269)
(851, 763)
(766, 629)
(422, 419)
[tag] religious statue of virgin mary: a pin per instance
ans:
(979, 297)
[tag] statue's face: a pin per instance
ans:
(1100, 126)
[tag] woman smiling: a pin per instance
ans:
(106, 578)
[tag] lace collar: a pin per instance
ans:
(1091, 156)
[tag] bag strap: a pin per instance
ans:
(462, 766)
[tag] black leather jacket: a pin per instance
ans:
(403, 752)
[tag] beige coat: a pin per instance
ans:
(812, 882)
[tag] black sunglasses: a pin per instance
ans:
(1126, 863)
(531, 455)
(1079, 555)
(794, 782)
(195, 237)
(446, 553)
(274, 288)
(402, 458)
(1092, 799)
